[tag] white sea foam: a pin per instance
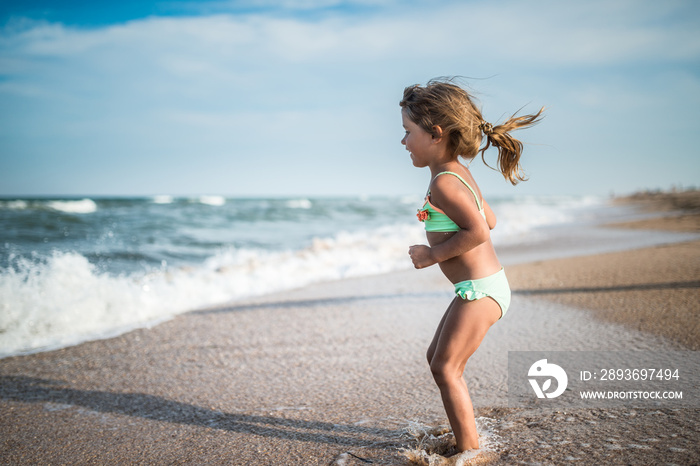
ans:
(83, 206)
(14, 205)
(212, 200)
(163, 199)
(428, 444)
(66, 300)
(517, 217)
(410, 200)
(299, 204)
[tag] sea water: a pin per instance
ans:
(73, 270)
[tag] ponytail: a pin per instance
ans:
(445, 104)
(509, 148)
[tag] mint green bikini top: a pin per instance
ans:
(435, 219)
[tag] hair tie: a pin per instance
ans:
(486, 128)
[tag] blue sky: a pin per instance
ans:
(300, 97)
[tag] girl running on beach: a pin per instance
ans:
(442, 124)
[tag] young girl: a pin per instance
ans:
(442, 124)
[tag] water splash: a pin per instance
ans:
(436, 446)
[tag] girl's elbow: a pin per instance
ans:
(484, 235)
(481, 234)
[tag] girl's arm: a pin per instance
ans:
(458, 203)
(425, 256)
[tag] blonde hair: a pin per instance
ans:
(444, 104)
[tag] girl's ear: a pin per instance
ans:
(437, 133)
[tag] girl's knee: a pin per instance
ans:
(444, 371)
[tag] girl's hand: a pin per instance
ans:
(421, 256)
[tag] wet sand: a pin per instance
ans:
(653, 290)
(335, 374)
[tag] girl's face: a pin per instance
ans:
(419, 143)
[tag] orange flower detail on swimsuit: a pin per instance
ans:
(423, 215)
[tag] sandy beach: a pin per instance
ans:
(334, 373)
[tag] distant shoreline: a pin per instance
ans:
(681, 200)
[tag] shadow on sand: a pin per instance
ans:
(151, 407)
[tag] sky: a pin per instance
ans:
(300, 97)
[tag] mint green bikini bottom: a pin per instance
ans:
(494, 286)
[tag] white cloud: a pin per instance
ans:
(302, 88)
(529, 33)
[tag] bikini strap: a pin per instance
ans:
(476, 198)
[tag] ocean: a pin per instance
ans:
(73, 270)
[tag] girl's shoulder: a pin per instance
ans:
(449, 180)
(455, 185)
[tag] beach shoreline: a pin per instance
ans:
(334, 373)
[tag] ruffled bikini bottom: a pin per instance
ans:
(494, 286)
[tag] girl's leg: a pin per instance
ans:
(433, 344)
(463, 328)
